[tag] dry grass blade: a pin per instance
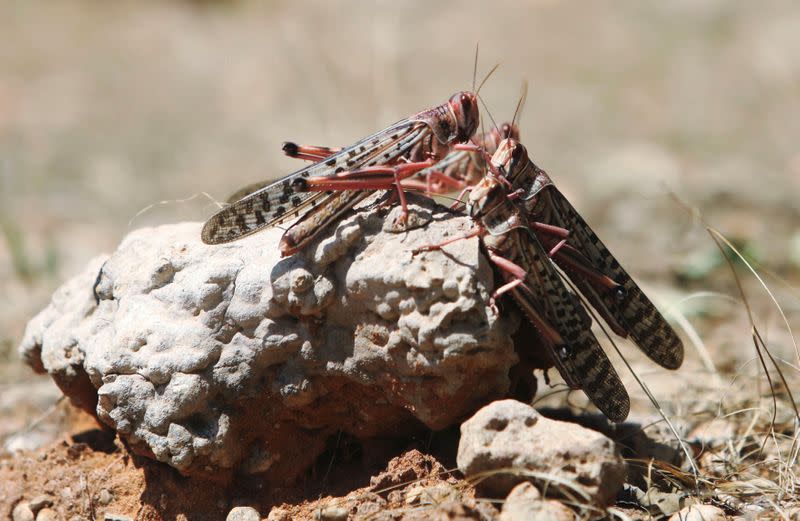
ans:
(173, 201)
(639, 381)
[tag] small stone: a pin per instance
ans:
(279, 514)
(243, 514)
(451, 511)
(47, 514)
(713, 433)
(431, 495)
(525, 503)
(331, 514)
(105, 497)
(22, 512)
(41, 501)
(368, 510)
(508, 434)
(667, 502)
(699, 513)
(115, 517)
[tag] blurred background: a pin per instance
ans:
(107, 108)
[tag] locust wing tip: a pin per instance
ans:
(673, 359)
(619, 413)
(212, 231)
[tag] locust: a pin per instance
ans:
(577, 250)
(508, 237)
(322, 192)
(459, 169)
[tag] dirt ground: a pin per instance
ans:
(650, 116)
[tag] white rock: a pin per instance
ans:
(221, 358)
(22, 512)
(104, 497)
(525, 503)
(699, 513)
(331, 513)
(47, 514)
(561, 458)
(243, 514)
(116, 517)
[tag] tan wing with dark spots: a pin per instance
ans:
(289, 197)
(630, 308)
(578, 357)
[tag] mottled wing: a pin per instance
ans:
(579, 358)
(289, 197)
(630, 308)
(247, 190)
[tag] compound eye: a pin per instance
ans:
(465, 103)
(516, 154)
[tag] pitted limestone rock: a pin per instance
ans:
(231, 358)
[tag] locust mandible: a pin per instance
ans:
(321, 192)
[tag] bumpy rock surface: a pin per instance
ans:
(221, 358)
(508, 442)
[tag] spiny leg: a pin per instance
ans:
(372, 178)
(474, 232)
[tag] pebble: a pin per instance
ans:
(47, 514)
(243, 514)
(278, 514)
(116, 517)
(699, 513)
(22, 512)
(331, 514)
(105, 497)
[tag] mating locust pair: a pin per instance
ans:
(528, 229)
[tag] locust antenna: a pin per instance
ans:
(474, 76)
(489, 114)
(521, 103)
(486, 78)
(475, 67)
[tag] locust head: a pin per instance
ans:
(464, 107)
(510, 158)
(498, 134)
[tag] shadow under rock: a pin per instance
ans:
(346, 465)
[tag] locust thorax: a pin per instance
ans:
(464, 108)
(485, 196)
